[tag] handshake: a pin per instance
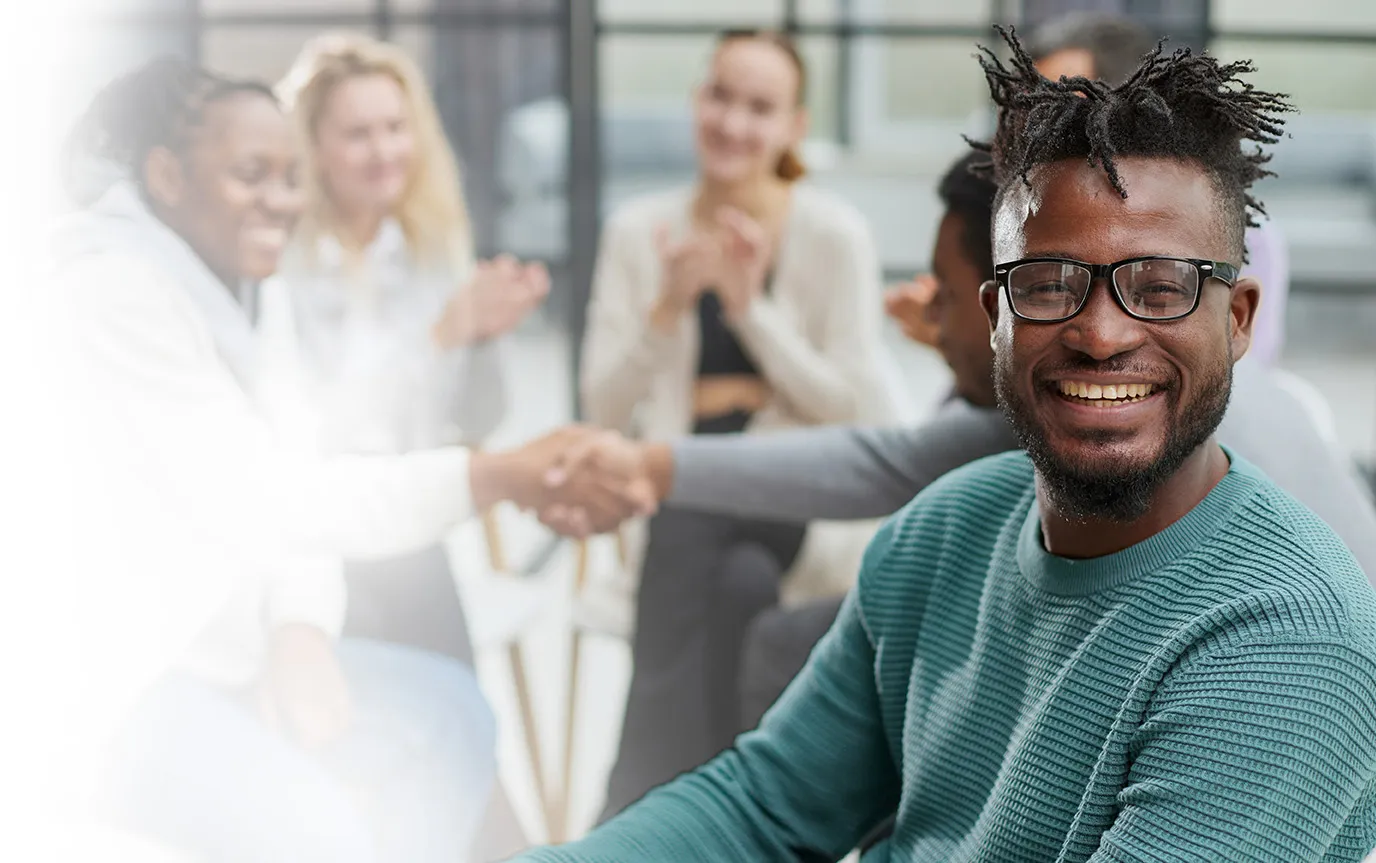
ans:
(579, 480)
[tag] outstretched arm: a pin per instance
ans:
(829, 473)
(802, 474)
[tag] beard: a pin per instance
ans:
(1085, 489)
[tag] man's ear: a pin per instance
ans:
(989, 300)
(1243, 302)
(163, 177)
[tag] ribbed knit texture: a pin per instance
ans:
(1206, 695)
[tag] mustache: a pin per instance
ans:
(1125, 366)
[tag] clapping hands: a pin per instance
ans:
(730, 258)
(745, 254)
(501, 293)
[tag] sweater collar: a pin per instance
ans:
(1067, 577)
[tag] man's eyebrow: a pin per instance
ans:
(1051, 254)
(1143, 254)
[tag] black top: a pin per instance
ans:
(720, 354)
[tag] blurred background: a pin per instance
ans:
(561, 110)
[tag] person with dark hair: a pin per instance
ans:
(1126, 643)
(1090, 45)
(747, 301)
(1108, 47)
(250, 733)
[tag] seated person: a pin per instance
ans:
(399, 329)
(245, 730)
(743, 303)
(1162, 655)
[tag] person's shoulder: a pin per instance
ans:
(970, 501)
(1298, 568)
(962, 517)
(116, 278)
(987, 479)
(1289, 528)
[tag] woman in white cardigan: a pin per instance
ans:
(250, 733)
(745, 302)
(399, 328)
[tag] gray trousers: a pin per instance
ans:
(776, 648)
(706, 577)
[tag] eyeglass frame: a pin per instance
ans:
(1206, 269)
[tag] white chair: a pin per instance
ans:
(1316, 407)
(603, 606)
(503, 607)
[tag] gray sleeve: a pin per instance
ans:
(831, 472)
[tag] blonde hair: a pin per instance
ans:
(432, 213)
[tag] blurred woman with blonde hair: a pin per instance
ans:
(398, 324)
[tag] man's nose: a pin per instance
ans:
(1102, 329)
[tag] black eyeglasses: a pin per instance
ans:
(1151, 288)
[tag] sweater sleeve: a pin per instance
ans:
(836, 378)
(621, 351)
(1258, 753)
(830, 473)
(807, 785)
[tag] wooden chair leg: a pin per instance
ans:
(531, 730)
(560, 827)
(496, 553)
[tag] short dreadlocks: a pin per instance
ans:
(1181, 105)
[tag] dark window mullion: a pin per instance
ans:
(195, 28)
(382, 18)
(845, 77)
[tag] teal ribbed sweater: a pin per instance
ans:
(1207, 695)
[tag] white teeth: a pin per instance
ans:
(1106, 394)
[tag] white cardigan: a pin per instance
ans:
(815, 337)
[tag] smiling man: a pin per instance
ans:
(1126, 644)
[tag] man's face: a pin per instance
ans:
(1098, 459)
(962, 328)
